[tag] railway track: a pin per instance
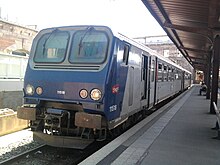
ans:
(15, 159)
(46, 155)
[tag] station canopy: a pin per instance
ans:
(190, 24)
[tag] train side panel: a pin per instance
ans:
(169, 80)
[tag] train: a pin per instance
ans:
(85, 83)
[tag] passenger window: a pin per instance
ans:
(187, 76)
(152, 70)
(169, 69)
(165, 68)
(160, 73)
(169, 74)
(176, 74)
(172, 74)
(165, 73)
(160, 66)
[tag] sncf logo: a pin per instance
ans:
(115, 89)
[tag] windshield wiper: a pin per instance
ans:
(44, 44)
(89, 29)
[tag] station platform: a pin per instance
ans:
(178, 133)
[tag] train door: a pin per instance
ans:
(123, 85)
(152, 81)
(128, 92)
(131, 92)
(183, 80)
(131, 86)
(144, 82)
(134, 79)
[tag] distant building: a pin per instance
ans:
(16, 38)
(164, 46)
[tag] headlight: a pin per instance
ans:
(29, 89)
(96, 94)
(83, 94)
(39, 90)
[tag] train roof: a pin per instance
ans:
(127, 39)
(147, 49)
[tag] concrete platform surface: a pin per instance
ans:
(179, 135)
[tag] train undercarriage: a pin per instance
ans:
(58, 123)
(66, 125)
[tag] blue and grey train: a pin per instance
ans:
(83, 82)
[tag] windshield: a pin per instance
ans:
(89, 46)
(52, 47)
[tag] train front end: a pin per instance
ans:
(65, 85)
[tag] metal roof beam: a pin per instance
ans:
(197, 58)
(194, 50)
(198, 30)
(196, 62)
(205, 32)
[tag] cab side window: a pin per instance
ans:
(125, 55)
